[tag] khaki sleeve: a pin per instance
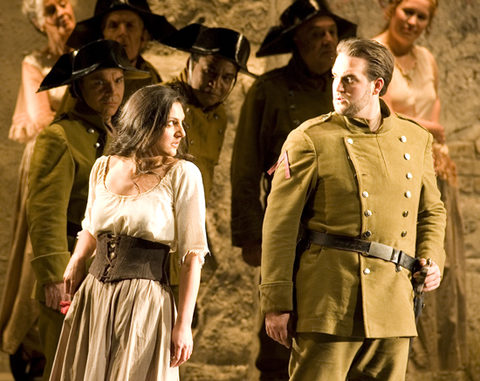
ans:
(50, 181)
(431, 215)
(294, 180)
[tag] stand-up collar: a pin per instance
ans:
(359, 125)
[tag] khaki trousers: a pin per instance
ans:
(322, 357)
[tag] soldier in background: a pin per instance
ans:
(133, 25)
(278, 102)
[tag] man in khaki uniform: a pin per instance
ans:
(361, 182)
(278, 102)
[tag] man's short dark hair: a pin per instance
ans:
(380, 62)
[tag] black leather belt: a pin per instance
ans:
(366, 248)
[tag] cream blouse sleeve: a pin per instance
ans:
(189, 209)
(95, 177)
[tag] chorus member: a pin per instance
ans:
(442, 343)
(63, 156)
(33, 112)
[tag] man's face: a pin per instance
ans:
(352, 91)
(212, 79)
(316, 41)
(102, 91)
(126, 27)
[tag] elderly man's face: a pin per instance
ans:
(126, 27)
(212, 79)
(316, 42)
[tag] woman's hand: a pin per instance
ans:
(74, 274)
(182, 344)
(54, 294)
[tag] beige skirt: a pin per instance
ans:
(117, 331)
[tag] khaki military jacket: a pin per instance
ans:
(63, 156)
(338, 177)
(205, 129)
(278, 102)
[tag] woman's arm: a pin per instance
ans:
(76, 269)
(182, 340)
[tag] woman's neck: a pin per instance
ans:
(397, 47)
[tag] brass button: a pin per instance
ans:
(191, 142)
(215, 116)
(405, 214)
(409, 176)
(366, 271)
(367, 234)
(350, 141)
(408, 194)
(407, 156)
(403, 139)
(368, 213)
(293, 107)
(296, 122)
(365, 194)
(404, 233)
(220, 131)
(90, 130)
(97, 145)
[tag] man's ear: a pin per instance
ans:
(144, 39)
(378, 86)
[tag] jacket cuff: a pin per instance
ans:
(50, 268)
(276, 297)
(434, 252)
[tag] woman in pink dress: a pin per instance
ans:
(33, 112)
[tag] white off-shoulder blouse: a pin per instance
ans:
(171, 213)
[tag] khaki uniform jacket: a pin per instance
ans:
(205, 129)
(63, 156)
(278, 102)
(349, 181)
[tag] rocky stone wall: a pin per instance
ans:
(225, 341)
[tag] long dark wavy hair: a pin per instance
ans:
(140, 125)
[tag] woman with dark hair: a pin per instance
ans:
(144, 201)
(413, 92)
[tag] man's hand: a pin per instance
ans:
(54, 294)
(432, 281)
(276, 325)
(252, 253)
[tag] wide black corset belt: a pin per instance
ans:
(122, 257)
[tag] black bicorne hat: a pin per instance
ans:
(91, 29)
(199, 39)
(102, 54)
(279, 38)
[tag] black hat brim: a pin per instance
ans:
(90, 29)
(280, 40)
(185, 39)
(62, 72)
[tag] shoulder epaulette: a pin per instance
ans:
(403, 117)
